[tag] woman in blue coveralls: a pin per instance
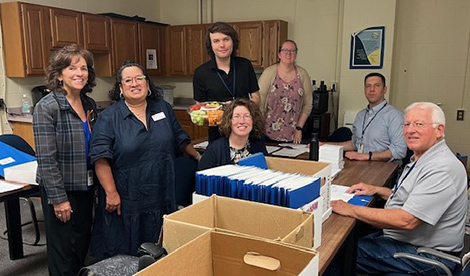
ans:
(133, 149)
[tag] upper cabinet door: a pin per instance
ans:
(96, 33)
(35, 34)
(25, 33)
(251, 41)
(125, 42)
(197, 54)
(177, 46)
(151, 39)
(66, 27)
(275, 32)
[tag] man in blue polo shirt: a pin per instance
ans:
(225, 77)
(426, 208)
(377, 131)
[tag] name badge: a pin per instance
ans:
(90, 177)
(360, 149)
(158, 116)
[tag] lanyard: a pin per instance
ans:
(364, 121)
(232, 92)
(397, 185)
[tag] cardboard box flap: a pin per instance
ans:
(222, 254)
(201, 213)
(178, 234)
(260, 220)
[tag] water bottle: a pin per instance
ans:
(25, 105)
(314, 144)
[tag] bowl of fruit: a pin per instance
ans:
(206, 113)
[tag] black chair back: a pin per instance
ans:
(17, 142)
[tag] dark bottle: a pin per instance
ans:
(314, 144)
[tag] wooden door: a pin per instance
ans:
(151, 38)
(197, 54)
(251, 41)
(125, 42)
(66, 27)
(96, 33)
(177, 47)
(272, 40)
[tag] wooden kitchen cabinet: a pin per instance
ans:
(197, 54)
(274, 33)
(125, 42)
(195, 132)
(187, 49)
(177, 51)
(251, 41)
(25, 39)
(66, 27)
(24, 130)
(96, 33)
(152, 36)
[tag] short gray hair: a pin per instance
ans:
(438, 116)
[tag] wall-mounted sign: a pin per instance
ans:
(151, 59)
(367, 48)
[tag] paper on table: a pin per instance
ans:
(271, 149)
(288, 152)
(7, 187)
(339, 192)
(300, 147)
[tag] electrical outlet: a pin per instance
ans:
(460, 114)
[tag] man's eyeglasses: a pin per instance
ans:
(246, 117)
(138, 79)
(287, 51)
(417, 125)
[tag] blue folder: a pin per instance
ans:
(256, 160)
(18, 157)
(360, 200)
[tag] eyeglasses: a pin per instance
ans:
(287, 51)
(417, 125)
(138, 79)
(246, 117)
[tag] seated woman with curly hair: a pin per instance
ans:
(241, 128)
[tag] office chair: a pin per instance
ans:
(462, 268)
(20, 144)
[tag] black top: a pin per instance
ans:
(208, 86)
(218, 153)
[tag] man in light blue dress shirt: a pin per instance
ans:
(377, 130)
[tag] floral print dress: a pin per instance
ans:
(284, 103)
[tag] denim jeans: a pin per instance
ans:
(375, 256)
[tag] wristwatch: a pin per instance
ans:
(298, 127)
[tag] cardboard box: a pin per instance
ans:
(237, 216)
(217, 253)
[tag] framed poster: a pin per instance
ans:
(367, 48)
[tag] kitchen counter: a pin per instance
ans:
(182, 103)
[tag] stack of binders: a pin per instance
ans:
(259, 185)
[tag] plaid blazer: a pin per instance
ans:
(60, 145)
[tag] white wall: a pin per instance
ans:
(431, 61)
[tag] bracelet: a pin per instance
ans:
(298, 127)
(370, 155)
